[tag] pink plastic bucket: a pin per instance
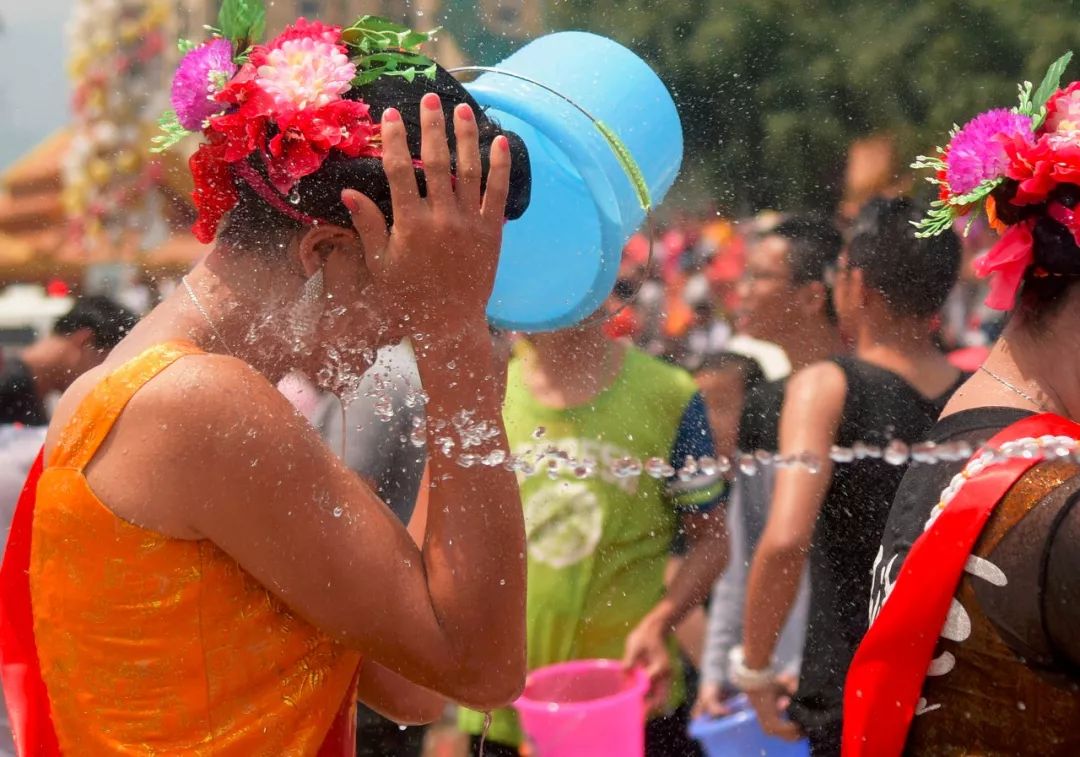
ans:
(584, 708)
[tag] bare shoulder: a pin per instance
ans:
(182, 438)
(821, 384)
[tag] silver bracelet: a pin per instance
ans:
(748, 679)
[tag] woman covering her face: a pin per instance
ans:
(204, 574)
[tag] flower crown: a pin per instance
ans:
(282, 101)
(1034, 146)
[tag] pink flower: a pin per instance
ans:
(977, 152)
(304, 73)
(201, 75)
(1005, 264)
(1063, 110)
(302, 29)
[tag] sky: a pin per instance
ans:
(33, 83)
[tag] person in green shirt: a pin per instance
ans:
(601, 518)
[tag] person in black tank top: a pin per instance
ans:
(888, 287)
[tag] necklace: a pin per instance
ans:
(206, 316)
(1015, 390)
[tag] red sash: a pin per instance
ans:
(24, 690)
(887, 674)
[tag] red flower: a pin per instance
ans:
(1032, 166)
(239, 134)
(291, 158)
(215, 193)
(307, 137)
(1005, 265)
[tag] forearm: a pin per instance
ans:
(474, 544)
(694, 579)
(770, 594)
(724, 629)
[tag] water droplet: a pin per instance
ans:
(748, 465)
(896, 453)
(707, 465)
(655, 466)
(294, 196)
(468, 460)
(502, 582)
(338, 511)
(841, 454)
(494, 458)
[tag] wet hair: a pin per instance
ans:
(914, 275)
(1056, 267)
(108, 322)
(813, 246)
(254, 225)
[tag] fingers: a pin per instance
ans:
(468, 158)
(435, 152)
(498, 181)
(397, 163)
(370, 224)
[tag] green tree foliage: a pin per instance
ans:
(772, 92)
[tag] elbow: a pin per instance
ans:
(426, 714)
(492, 686)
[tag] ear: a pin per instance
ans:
(81, 338)
(318, 242)
(814, 296)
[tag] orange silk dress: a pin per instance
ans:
(151, 645)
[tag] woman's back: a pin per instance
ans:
(164, 642)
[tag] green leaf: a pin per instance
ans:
(1051, 81)
(242, 21)
(171, 132)
(978, 193)
(185, 45)
(384, 48)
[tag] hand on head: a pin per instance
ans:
(435, 268)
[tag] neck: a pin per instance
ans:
(1035, 365)
(238, 309)
(809, 341)
(43, 360)
(884, 336)
(573, 366)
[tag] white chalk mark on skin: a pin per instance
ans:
(986, 570)
(957, 624)
(941, 665)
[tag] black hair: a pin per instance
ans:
(813, 246)
(107, 321)
(752, 374)
(1056, 265)
(914, 275)
(254, 224)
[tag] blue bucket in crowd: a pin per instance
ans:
(739, 735)
(591, 184)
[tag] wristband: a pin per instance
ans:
(748, 679)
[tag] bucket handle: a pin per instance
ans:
(622, 154)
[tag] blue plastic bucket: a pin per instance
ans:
(560, 259)
(739, 735)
